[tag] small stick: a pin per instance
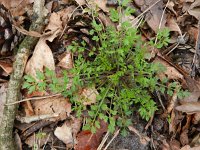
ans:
(115, 135)
(33, 98)
(103, 141)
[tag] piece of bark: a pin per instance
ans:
(14, 85)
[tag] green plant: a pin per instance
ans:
(117, 67)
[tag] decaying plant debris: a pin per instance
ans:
(46, 119)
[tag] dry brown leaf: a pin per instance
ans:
(66, 14)
(189, 107)
(184, 137)
(143, 139)
(6, 66)
(30, 33)
(196, 118)
(172, 102)
(187, 147)
(105, 19)
(14, 3)
(81, 2)
(88, 96)
(196, 140)
(64, 133)
(88, 141)
(101, 4)
(165, 145)
(66, 62)
(58, 105)
(76, 125)
(172, 124)
(31, 140)
(16, 7)
(42, 55)
(171, 7)
(153, 16)
(170, 72)
(172, 25)
(194, 9)
(174, 144)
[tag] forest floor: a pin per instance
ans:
(104, 74)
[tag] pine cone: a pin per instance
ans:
(9, 37)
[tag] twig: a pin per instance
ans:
(33, 98)
(146, 10)
(115, 135)
(14, 85)
(161, 19)
(103, 141)
(30, 119)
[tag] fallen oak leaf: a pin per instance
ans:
(189, 107)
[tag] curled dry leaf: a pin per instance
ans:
(64, 133)
(42, 50)
(189, 107)
(66, 61)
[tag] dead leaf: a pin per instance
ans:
(6, 66)
(30, 33)
(88, 96)
(189, 107)
(170, 72)
(187, 147)
(64, 133)
(42, 55)
(34, 139)
(196, 140)
(154, 16)
(165, 145)
(66, 61)
(184, 137)
(194, 9)
(88, 141)
(58, 105)
(101, 4)
(175, 145)
(81, 2)
(172, 25)
(66, 14)
(143, 139)
(196, 118)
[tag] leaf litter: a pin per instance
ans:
(182, 114)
